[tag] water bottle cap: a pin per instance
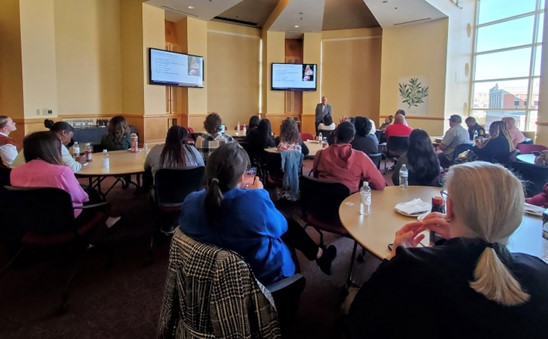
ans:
(105, 150)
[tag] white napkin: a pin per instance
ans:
(413, 207)
(532, 209)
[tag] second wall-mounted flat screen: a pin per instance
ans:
(294, 77)
(175, 69)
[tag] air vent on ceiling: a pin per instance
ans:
(236, 21)
(171, 9)
(412, 21)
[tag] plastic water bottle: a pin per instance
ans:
(238, 128)
(320, 138)
(365, 203)
(404, 176)
(134, 142)
(89, 152)
(244, 132)
(76, 150)
(475, 135)
(106, 161)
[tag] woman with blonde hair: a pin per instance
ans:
(468, 284)
(498, 147)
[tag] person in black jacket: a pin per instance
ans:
(467, 286)
(498, 147)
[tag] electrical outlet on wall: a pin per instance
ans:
(38, 111)
(47, 111)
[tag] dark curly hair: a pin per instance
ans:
(212, 123)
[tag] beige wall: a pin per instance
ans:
(153, 36)
(11, 79)
(233, 72)
(415, 50)
(131, 42)
(351, 66)
(87, 51)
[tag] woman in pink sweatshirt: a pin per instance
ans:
(45, 168)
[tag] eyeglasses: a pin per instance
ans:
(444, 194)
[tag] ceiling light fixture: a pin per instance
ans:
(296, 26)
(190, 7)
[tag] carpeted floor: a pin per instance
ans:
(123, 300)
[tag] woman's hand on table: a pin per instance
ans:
(438, 223)
(82, 159)
(408, 236)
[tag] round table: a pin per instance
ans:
(121, 163)
(376, 231)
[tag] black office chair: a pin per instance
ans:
(533, 176)
(273, 169)
(5, 176)
(459, 149)
(376, 158)
(320, 201)
(44, 217)
(171, 187)
(395, 147)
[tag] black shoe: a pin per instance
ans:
(326, 259)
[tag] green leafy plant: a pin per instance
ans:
(413, 93)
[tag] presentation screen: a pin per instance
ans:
(294, 77)
(175, 69)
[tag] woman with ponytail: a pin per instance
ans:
(236, 213)
(468, 285)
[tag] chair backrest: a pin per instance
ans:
(172, 185)
(376, 158)
(321, 199)
(42, 210)
(306, 136)
(5, 176)
(205, 282)
(530, 148)
(396, 145)
(251, 153)
(461, 148)
(273, 162)
(533, 176)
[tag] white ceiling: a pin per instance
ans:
(309, 15)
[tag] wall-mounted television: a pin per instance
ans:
(294, 77)
(175, 69)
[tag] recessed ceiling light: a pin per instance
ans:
(296, 26)
(190, 7)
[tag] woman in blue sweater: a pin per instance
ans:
(245, 220)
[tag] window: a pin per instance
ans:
(507, 56)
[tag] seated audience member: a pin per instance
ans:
(44, 167)
(210, 141)
(540, 199)
(454, 136)
(421, 161)
(290, 138)
(363, 140)
(327, 124)
(515, 134)
(175, 153)
(253, 123)
(387, 121)
(261, 138)
(118, 136)
(8, 147)
(245, 220)
(467, 286)
(64, 132)
(497, 147)
(473, 127)
(340, 163)
(398, 128)
(402, 112)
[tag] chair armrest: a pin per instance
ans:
(96, 205)
(281, 284)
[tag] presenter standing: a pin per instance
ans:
(322, 109)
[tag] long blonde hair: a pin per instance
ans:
(489, 200)
(499, 128)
